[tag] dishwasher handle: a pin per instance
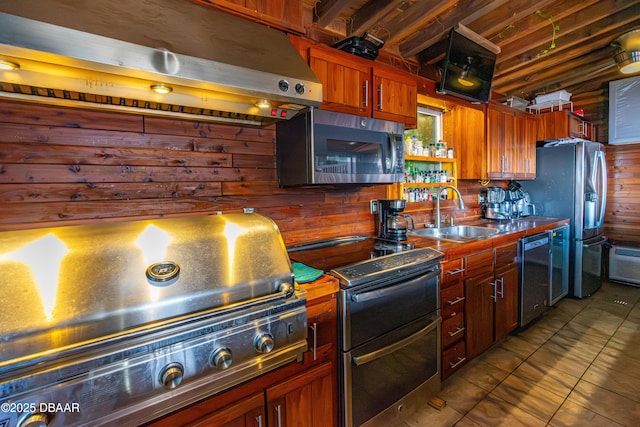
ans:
(535, 242)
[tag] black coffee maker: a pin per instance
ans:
(392, 223)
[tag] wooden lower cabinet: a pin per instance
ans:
(304, 400)
(248, 412)
(479, 309)
(506, 306)
(452, 301)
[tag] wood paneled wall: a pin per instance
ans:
(64, 166)
(622, 217)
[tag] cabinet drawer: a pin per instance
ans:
(452, 271)
(452, 330)
(506, 254)
(452, 301)
(479, 263)
(453, 358)
(322, 324)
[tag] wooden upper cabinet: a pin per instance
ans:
(563, 124)
(526, 146)
(358, 86)
(345, 84)
(395, 96)
(511, 141)
(501, 144)
(282, 14)
(465, 128)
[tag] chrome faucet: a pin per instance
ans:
(460, 202)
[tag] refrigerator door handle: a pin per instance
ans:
(601, 240)
(603, 191)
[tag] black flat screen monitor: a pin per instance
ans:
(467, 69)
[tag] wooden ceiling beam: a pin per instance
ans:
(326, 11)
(370, 14)
(585, 24)
(462, 12)
(414, 18)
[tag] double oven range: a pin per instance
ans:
(389, 324)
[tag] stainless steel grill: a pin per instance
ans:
(130, 321)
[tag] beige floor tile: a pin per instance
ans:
(585, 345)
(501, 358)
(551, 323)
(613, 380)
(535, 334)
(554, 380)
(606, 403)
(599, 320)
(518, 345)
(482, 374)
(436, 418)
(585, 331)
(496, 412)
(529, 397)
(557, 357)
(460, 394)
(572, 415)
(465, 422)
(626, 361)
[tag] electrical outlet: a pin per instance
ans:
(481, 197)
(373, 206)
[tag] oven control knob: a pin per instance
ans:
(263, 343)
(171, 376)
(39, 419)
(221, 358)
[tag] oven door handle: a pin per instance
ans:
(384, 292)
(370, 357)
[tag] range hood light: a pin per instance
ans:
(263, 103)
(8, 65)
(161, 88)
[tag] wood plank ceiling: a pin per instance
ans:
(547, 45)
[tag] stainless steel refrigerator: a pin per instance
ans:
(571, 182)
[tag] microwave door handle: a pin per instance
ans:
(603, 182)
(392, 149)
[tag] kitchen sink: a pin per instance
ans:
(457, 232)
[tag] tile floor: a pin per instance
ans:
(578, 365)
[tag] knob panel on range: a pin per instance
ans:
(264, 343)
(221, 358)
(171, 376)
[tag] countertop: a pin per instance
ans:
(510, 231)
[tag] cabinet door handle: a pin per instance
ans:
(314, 328)
(455, 301)
(501, 293)
(259, 420)
(366, 93)
(380, 97)
(494, 297)
(458, 362)
(456, 332)
(456, 271)
(278, 416)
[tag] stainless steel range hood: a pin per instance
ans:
(107, 55)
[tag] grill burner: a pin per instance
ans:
(129, 335)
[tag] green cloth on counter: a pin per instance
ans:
(303, 273)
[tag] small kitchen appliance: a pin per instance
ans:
(507, 204)
(392, 224)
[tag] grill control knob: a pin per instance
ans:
(221, 358)
(263, 343)
(39, 419)
(171, 376)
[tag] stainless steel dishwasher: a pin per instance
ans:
(535, 256)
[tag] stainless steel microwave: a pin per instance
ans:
(325, 147)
